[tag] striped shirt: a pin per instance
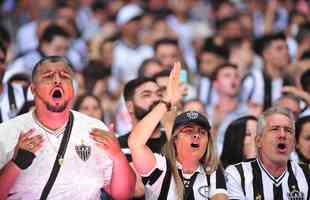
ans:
(155, 144)
(159, 183)
(12, 99)
(251, 181)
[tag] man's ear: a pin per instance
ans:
(130, 107)
(258, 141)
(32, 88)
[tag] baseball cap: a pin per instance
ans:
(191, 117)
(128, 13)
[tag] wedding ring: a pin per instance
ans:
(30, 145)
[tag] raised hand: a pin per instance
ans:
(107, 141)
(174, 89)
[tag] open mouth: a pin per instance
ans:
(195, 145)
(282, 147)
(57, 94)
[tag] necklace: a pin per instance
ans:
(56, 132)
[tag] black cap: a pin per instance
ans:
(191, 117)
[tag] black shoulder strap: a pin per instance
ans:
(258, 190)
(166, 182)
(59, 157)
(12, 101)
(268, 91)
(241, 172)
(25, 90)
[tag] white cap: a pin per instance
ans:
(127, 13)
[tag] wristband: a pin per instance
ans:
(23, 158)
(167, 104)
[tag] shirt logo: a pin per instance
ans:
(295, 194)
(83, 151)
(203, 191)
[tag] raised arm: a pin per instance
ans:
(143, 158)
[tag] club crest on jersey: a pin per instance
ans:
(83, 151)
(203, 191)
(295, 194)
(258, 197)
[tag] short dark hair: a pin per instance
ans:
(78, 102)
(263, 42)
(5, 36)
(165, 41)
(3, 48)
(305, 80)
(210, 46)
(52, 31)
(304, 32)
(220, 67)
(52, 59)
(94, 71)
(221, 23)
(131, 86)
(162, 73)
(141, 70)
(98, 5)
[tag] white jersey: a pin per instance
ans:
(80, 176)
(160, 179)
(251, 181)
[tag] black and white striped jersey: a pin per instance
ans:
(155, 144)
(12, 98)
(251, 181)
(160, 184)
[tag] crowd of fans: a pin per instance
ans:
(238, 58)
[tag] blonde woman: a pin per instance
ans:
(188, 168)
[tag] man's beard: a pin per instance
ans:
(57, 109)
(140, 112)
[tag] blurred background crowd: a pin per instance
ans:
(239, 57)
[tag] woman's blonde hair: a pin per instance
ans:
(209, 161)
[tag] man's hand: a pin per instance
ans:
(27, 141)
(28, 144)
(107, 141)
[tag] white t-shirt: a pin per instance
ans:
(77, 179)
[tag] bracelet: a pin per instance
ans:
(167, 104)
(23, 158)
